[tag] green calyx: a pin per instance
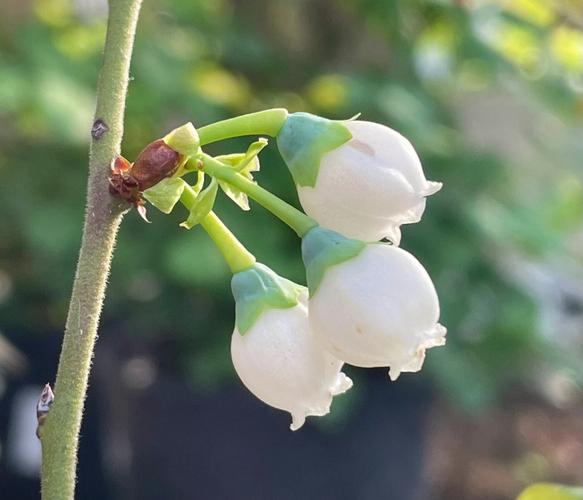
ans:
(304, 139)
(258, 289)
(323, 248)
(166, 193)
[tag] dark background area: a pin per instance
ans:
(491, 95)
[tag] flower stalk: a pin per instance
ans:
(293, 217)
(238, 258)
(267, 122)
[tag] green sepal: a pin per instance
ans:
(245, 164)
(323, 248)
(166, 193)
(184, 140)
(304, 139)
(202, 206)
(549, 491)
(258, 289)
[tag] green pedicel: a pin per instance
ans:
(267, 122)
(297, 220)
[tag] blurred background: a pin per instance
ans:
(491, 95)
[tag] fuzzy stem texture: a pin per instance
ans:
(60, 432)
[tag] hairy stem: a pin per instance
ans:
(60, 432)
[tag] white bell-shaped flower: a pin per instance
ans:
(364, 184)
(376, 308)
(278, 357)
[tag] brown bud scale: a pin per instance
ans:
(128, 180)
(156, 162)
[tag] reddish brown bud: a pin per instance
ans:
(121, 182)
(156, 162)
(128, 180)
(120, 165)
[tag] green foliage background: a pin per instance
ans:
(417, 66)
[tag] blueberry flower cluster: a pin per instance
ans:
(367, 303)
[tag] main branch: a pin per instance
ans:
(60, 432)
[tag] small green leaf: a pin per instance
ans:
(324, 248)
(549, 491)
(165, 194)
(232, 159)
(258, 289)
(235, 194)
(239, 197)
(304, 139)
(245, 164)
(184, 140)
(250, 162)
(202, 206)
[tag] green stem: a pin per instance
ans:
(60, 432)
(268, 122)
(237, 256)
(295, 219)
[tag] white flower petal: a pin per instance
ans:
(432, 187)
(369, 186)
(281, 362)
(341, 385)
(298, 420)
(379, 308)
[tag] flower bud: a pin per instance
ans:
(156, 162)
(274, 350)
(375, 306)
(363, 184)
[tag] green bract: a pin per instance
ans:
(323, 248)
(202, 205)
(236, 195)
(245, 164)
(258, 289)
(166, 193)
(250, 162)
(184, 140)
(304, 139)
